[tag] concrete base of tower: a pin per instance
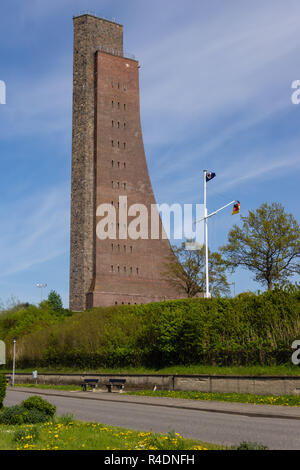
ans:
(107, 299)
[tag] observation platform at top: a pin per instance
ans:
(94, 15)
(112, 51)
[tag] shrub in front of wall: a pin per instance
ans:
(12, 415)
(17, 415)
(39, 404)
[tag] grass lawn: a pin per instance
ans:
(68, 434)
(285, 370)
(283, 400)
(67, 388)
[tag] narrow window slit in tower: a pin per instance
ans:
(124, 145)
(112, 163)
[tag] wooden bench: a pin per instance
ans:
(89, 383)
(118, 383)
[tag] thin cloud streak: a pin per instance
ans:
(37, 230)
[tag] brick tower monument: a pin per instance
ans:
(108, 161)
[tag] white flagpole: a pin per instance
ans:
(207, 295)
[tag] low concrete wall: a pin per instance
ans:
(263, 385)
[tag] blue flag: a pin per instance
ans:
(210, 176)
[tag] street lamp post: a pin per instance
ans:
(41, 286)
(14, 362)
(233, 284)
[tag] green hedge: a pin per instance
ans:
(2, 389)
(246, 330)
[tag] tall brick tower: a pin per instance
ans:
(108, 161)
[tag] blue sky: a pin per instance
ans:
(215, 93)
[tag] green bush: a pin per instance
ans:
(2, 389)
(250, 446)
(12, 415)
(33, 415)
(19, 415)
(39, 404)
(17, 323)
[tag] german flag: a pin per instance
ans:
(236, 208)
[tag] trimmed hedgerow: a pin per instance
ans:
(246, 330)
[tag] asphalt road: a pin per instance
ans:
(219, 428)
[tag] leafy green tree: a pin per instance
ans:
(268, 244)
(54, 301)
(186, 271)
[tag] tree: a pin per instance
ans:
(186, 271)
(268, 244)
(54, 301)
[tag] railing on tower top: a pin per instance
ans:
(93, 13)
(111, 50)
